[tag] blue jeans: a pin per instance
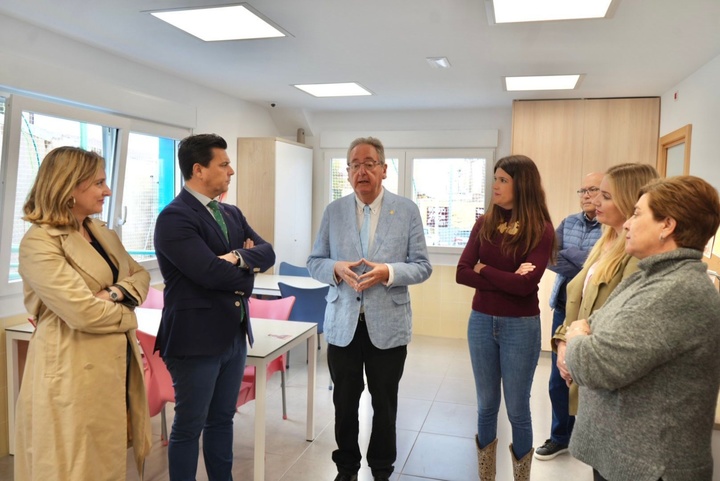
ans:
(504, 349)
(206, 393)
(562, 422)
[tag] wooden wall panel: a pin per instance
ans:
(620, 130)
(256, 184)
(568, 139)
(551, 133)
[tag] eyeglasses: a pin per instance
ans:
(591, 191)
(368, 165)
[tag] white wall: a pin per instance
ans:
(698, 103)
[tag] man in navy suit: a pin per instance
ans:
(370, 248)
(208, 255)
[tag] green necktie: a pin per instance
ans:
(215, 208)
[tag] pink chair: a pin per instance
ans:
(268, 309)
(154, 300)
(247, 393)
(158, 382)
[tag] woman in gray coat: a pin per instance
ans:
(648, 362)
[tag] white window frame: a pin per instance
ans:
(14, 106)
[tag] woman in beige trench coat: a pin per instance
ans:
(608, 263)
(82, 401)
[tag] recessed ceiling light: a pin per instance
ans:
(438, 62)
(542, 82)
(512, 11)
(234, 22)
(349, 89)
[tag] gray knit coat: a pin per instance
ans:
(649, 374)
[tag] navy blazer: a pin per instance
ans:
(203, 293)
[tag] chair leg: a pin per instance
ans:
(163, 427)
(282, 387)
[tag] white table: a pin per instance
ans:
(272, 339)
(267, 284)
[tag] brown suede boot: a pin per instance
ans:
(486, 460)
(521, 468)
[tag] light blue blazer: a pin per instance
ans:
(399, 241)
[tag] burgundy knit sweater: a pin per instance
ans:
(498, 290)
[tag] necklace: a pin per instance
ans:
(512, 230)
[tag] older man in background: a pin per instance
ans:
(576, 235)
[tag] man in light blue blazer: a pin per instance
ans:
(370, 248)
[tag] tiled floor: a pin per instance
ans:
(436, 425)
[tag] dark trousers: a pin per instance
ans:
(206, 392)
(383, 369)
(562, 422)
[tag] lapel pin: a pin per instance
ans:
(392, 212)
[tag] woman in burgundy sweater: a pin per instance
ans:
(503, 261)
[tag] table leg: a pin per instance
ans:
(312, 368)
(260, 395)
(13, 380)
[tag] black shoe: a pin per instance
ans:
(346, 477)
(549, 450)
(382, 477)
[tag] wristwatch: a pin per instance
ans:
(113, 295)
(236, 253)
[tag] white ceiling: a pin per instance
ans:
(644, 49)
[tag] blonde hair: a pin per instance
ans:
(50, 199)
(627, 180)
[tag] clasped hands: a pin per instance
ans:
(378, 272)
(578, 328)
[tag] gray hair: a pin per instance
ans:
(369, 141)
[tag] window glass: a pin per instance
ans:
(341, 187)
(450, 193)
(148, 187)
(39, 135)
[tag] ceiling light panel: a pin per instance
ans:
(348, 89)
(542, 82)
(235, 22)
(513, 11)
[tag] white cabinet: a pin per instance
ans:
(274, 191)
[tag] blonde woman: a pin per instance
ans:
(608, 263)
(82, 402)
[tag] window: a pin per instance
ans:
(147, 188)
(340, 187)
(449, 191)
(141, 170)
(39, 135)
(448, 187)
